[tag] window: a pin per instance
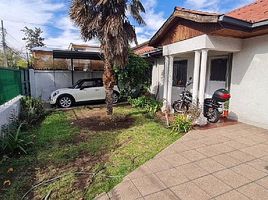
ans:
(99, 83)
(88, 84)
(218, 69)
(180, 73)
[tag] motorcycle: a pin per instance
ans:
(212, 106)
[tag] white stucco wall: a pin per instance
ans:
(157, 86)
(43, 82)
(249, 82)
(9, 110)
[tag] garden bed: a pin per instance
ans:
(83, 153)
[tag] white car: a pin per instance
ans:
(83, 91)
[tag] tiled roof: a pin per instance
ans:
(254, 12)
(143, 48)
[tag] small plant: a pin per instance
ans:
(13, 141)
(32, 111)
(181, 124)
(149, 104)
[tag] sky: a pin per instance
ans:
(58, 30)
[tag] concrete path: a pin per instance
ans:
(228, 163)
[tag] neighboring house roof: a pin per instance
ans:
(84, 47)
(143, 48)
(245, 22)
(254, 12)
(44, 49)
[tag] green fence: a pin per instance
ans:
(10, 84)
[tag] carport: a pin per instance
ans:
(72, 55)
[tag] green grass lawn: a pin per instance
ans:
(65, 146)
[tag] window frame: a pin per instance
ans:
(210, 65)
(187, 66)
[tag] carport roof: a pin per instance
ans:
(65, 54)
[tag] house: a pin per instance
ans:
(219, 51)
(43, 59)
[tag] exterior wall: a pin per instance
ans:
(158, 71)
(158, 74)
(214, 43)
(43, 83)
(9, 110)
(249, 83)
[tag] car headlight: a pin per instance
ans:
(55, 93)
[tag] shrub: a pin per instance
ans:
(181, 124)
(134, 78)
(32, 111)
(149, 104)
(13, 141)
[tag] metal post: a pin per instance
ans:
(4, 43)
(72, 65)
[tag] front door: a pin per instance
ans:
(217, 74)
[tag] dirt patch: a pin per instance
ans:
(97, 120)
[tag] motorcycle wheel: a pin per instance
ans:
(180, 107)
(213, 116)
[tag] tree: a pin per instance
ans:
(15, 58)
(107, 20)
(134, 77)
(33, 37)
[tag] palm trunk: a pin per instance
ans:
(109, 82)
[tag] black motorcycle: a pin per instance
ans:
(212, 106)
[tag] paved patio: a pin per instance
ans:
(227, 163)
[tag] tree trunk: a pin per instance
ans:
(109, 82)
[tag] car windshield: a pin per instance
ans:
(77, 84)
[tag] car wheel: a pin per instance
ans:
(65, 101)
(115, 98)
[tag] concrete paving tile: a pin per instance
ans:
(210, 165)
(249, 172)
(215, 140)
(148, 184)
(221, 148)
(179, 147)
(158, 164)
(263, 182)
(241, 156)
(166, 152)
(208, 151)
(139, 172)
(231, 178)
(257, 150)
(259, 164)
(190, 191)
(162, 195)
(192, 155)
(102, 196)
(245, 140)
(192, 171)
(226, 160)
(233, 195)
(193, 144)
(172, 177)
(235, 144)
(212, 185)
(254, 191)
(265, 158)
(176, 160)
(125, 190)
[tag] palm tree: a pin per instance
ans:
(107, 20)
